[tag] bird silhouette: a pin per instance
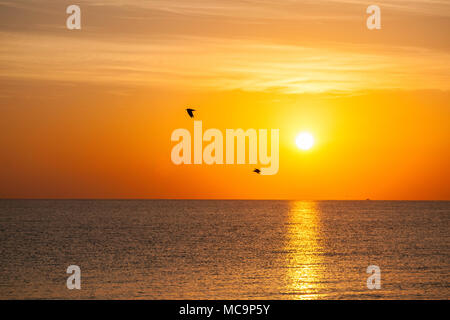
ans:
(190, 112)
(257, 171)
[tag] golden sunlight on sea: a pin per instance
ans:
(304, 266)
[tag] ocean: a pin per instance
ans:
(224, 249)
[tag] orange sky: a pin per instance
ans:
(89, 113)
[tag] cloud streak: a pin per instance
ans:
(201, 63)
(255, 45)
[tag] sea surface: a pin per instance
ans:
(189, 249)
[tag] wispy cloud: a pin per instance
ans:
(221, 64)
(277, 8)
(235, 44)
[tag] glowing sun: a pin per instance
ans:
(304, 140)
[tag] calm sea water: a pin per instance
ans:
(168, 249)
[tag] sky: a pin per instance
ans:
(89, 113)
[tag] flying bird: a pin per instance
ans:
(257, 171)
(190, 112)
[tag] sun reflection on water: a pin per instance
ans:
(303, 259)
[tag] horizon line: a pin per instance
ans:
(220, 199)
